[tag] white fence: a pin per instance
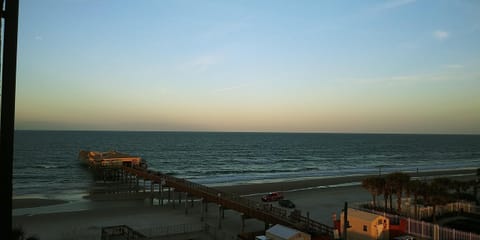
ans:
(432, 231)
(467, 207)
(427, 230)
(408, 208)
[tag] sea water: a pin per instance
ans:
(46, 164)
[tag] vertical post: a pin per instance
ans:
(137, 185)
(435, 232)
(345, 221)
(128, 181)
(152, 191)
(243, 222)
(219, 216)
(173, 198)
(169, 195)
(202, 209)
(9, 70)
(422, 228)
(161, 194)
(186, 203)
(133, 185)
(116, 182)
(408, 226)
(308, 219)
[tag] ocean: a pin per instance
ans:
(45, 162)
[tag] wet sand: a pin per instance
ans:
(35, 202)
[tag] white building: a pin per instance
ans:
(280, 232)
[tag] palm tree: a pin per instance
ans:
(443, 183)
(373, 185)
(369, 184)
(438, 195)
(401, 185)
(457, 186)
(475, 186)
(397, 182)
(425, 192)
(380, 185)
(461, 188)
(415, 188)
(389, 190)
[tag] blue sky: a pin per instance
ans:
(400, 66)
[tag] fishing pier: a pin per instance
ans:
(168, 189)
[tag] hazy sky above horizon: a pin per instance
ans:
(400, 66)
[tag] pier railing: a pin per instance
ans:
(262, 211)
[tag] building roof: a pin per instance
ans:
(282, 231)
(362, 215)
(113, 154)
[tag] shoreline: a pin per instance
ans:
(331, 182)
(250, 189)
(321, 199)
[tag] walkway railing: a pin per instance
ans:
(265, 212)
(122, 231)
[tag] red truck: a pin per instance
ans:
(273, 196)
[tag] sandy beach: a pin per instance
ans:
(321, 197)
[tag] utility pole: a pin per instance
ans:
(9, 18)
(346, 224)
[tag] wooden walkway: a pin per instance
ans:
(250, 209)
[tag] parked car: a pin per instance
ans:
(286, 203)
(273, 196)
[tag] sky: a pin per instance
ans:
(400, 66)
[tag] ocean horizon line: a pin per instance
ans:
(248, 132)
